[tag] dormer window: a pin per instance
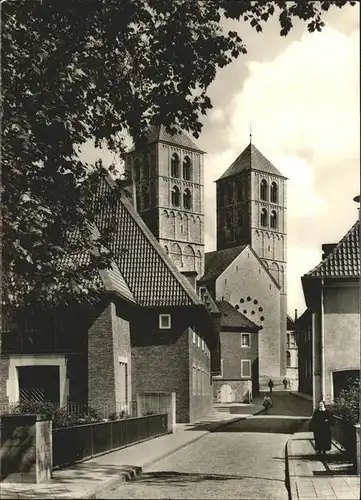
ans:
(175, 165)
(164, 321)
(274, 193)
(264, 190)
(187, 168)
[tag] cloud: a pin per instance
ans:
(304, 107)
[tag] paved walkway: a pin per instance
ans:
(88, 479)
(312, 478)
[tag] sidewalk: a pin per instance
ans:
(89, 478)
(312, 478)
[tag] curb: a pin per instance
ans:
(136, 472)
(290, 473)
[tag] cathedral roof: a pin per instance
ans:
(249, 160)
(158, 133)
(216, 262)
(233, 319)
(149, 273)
(343, 261)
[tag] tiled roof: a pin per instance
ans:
(158, 133)
(108, 279)
(231, 318)
(251, 159)
(216, 262)
(150, 274)
(343, 261)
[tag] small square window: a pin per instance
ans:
(164, 321)
(245, 340)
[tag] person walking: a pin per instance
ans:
(285, 382)
(270, 385)
(321, 422)
(267, 403)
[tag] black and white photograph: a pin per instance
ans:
(180, 250)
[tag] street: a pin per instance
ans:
(244, 459)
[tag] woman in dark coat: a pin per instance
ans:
(320, 424)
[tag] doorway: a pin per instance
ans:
(226, 394)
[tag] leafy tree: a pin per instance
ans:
(347, 404)
(80, 70)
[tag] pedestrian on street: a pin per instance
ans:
(285, 382)
(267, 403)
(270, 385)
(321, 422)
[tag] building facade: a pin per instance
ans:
(303, 330)
(238, 380)
(332, 292)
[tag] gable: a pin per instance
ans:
(151, 276)
(215, 263)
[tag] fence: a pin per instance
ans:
(72, 444)
(345, 433)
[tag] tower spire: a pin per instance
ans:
(250, 132)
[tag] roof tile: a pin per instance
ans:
(251, 159)
(344, 260)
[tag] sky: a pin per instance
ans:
(301, 93)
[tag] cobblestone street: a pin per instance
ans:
(243, 460)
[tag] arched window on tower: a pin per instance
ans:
(176, 254)
(229, 193)
(175, 197)
(137, 170)
(146, 197)
(187, 166)
(288, 359)
(264, 218)
(187, 199)
(273, 220)
(240, 191)
(264, 190)
(189, 259)
(175, 165)
(146, 166)
(274, 193)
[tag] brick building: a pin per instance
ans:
(238, 380)
(146, 332)
(332, 293)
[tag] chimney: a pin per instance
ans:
(327, 249)
(191, 277)
(295, 314)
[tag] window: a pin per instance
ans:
(175, 196)
(245, 368)
(137, 170)
(274, 193)
(146, 169)
(245, 340)
(174, 165)
(194, 336)
(264, 217)
(264, 190)
(187, 199)
(146, 197)
(202, 345)
(240, 218)
(187, 169)
(164, 321)
(229, 193)
(198, 341)
(288, 340)
(194, 380)
(288, 359)
(273, 220)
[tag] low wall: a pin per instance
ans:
(81, 442)
(240, 391)
(26, 448)
(347, 435)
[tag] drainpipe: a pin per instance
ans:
(322, 331)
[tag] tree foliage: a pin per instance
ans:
(91, 70)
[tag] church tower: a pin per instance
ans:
(168, 181)
(251, 209)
